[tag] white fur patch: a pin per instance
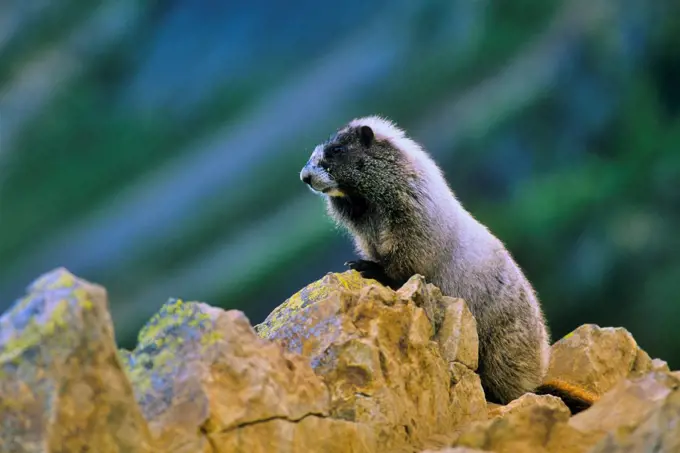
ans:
(383, 128)
(386, 130)
(317, 155)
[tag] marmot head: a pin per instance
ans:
(368, 161)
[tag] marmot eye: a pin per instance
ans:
(336, 149)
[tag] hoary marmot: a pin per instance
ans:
(392, 197)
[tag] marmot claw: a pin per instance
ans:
(372, 270)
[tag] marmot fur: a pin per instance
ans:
(391, 196)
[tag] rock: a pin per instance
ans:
(633, 386)
(658, 364)
(456, 450)
(207, 382)
(597, 358)
(377, 351)
(531, 424)
(527, 401)
(632, 415)
(658, 432)
(455, 327)
(457, 334)
(62, 387)
(344, 365)
(541, 424)
(306, 327)
(308, 435)
(628, 403)
(536, 424)
(644, 364)
(468, 401)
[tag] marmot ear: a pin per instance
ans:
(366, 136)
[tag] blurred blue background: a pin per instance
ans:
(155, 147)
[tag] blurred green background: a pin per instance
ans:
(154, 147)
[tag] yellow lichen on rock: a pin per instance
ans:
(201, 375)
(378, 352)
(61, 385)
(318, 290)
(344, 365)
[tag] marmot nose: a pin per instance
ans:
(306, 175)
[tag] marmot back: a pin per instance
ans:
(391, 196)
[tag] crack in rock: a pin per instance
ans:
(264, 420)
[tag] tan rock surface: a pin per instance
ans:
(527, 401)
(207, 382)
(598, 358)
(353, 367)
(639, 387)
(378, 353)
(61, 385)
(309, 435)
(456, 328)
(658, 432)
(467, 401)
(625, 405)
(530, 424)
(456, 450)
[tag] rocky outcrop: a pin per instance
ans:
(542, 424)
(598, 358)
(378, 353)
(207, 383)
(62, 387)
(344, 365)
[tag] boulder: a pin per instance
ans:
(597, 358)
(203, 379)
(627, 404)
(632, 386)
(656, 432)
(62, 387)
(531, 424)
(344, 365)
(400, 361)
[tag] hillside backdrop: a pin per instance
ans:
(155, 147)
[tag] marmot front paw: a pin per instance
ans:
(373, 270)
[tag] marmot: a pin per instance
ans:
(388, 192)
